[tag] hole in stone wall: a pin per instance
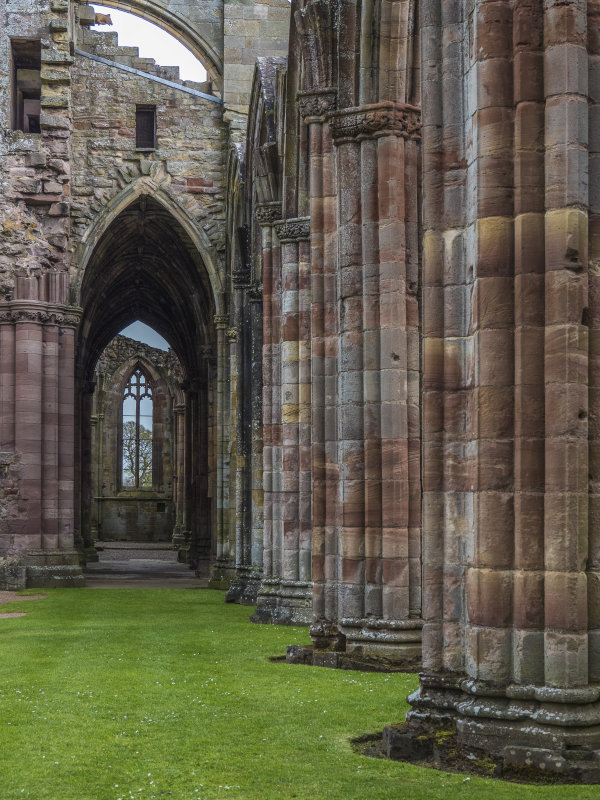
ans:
(26, 84)
(145, 127)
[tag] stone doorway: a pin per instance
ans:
(145, 267)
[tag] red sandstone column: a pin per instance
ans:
(266, 215)
(66, 432)
(323, 326)
(179, 475)
(350, 565)
(432, 341)
(566, 347)
(7, 425)
(528, 589)
(594, 353)
(489, 577)
(7, 379)
(50, 438)
(28, 420)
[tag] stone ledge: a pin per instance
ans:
(314, 657)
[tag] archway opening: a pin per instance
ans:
(152, 40)
(146, 414)
(200, 35)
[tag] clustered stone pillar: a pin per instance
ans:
(366, 503)
(38, 429)
(510, 652)
(248, 417)
(179, 538)
(314, 106)
(223, 564)
(285, 593)
(266, 215)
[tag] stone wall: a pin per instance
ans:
(188, 160)
(126, 514)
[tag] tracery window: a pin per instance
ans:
(137, 432)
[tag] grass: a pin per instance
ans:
(120, 694)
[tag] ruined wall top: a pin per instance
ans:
(226, 35)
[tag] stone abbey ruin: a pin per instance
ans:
(372, 241)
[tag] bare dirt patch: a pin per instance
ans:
(14, 597)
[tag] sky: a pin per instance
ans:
(152, 41)
(143, 333)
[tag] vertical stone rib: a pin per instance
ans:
(379, 547)
(50, 438)
(290, 410)
(331, 347)
(221, 498)
(66, 436)
(7, 383)
(317, 256)
(267, 403)
(594, 334)
(304, 414)
(28, 424)
(350, 563)
(411, 169)
(432, 358)
(489, 578)
(566, 344)
(277, 428)
(457, 369)
(528, 587)
(256, 445)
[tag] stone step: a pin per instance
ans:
(128, 551)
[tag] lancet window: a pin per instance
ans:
(137, 432)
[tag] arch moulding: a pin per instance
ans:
(145, 185)
(184, 30)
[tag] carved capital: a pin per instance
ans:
(293, 230)
(221, 321)
(267, 213)
(41, 313)
(231, 334)
(316, 104)
(373, 121)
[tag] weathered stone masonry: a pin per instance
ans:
(371, 241)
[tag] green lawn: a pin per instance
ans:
(108, 694)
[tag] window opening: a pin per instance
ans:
(26, 85)
(137, 432)
(145, 127)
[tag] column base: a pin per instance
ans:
(281, 602)
(49, 569)
(379, 645)
(313, 657)
(222, 574)
(181, 542)
(525, 732)
(13, 578)
(391, 641)
(244, 587)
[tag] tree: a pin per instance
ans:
(137, 456)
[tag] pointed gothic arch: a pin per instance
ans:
(154, 188)
(141, 260)
(201, 35)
